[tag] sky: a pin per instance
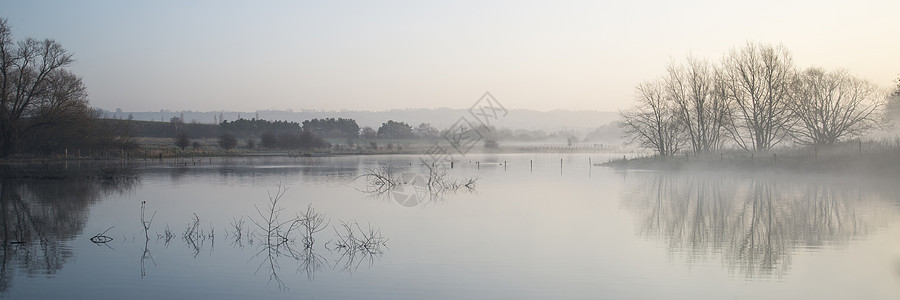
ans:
(381, 55)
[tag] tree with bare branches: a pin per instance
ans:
(834, 105)
(757, 79)
(652, 122)
(43, 106)
(700, 102)
(182, 140)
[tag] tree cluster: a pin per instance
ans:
(425, 130)
(332, 128)
(394, 130)
(755, 99)
(301, 139)
(167, 129)
(247, 128)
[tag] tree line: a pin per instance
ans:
(754, 99)
(44, 110)
(278, 134)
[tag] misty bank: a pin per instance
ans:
(874, 161)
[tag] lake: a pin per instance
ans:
(533, 226)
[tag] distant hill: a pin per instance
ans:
(439, 118)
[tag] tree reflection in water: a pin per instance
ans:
(45, 208)
(752, 222)
(41, 210)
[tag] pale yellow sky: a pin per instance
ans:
(368, 55)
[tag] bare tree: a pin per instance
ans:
(758, 78)
(701, 106)
(43, 106)
(57, 118)
(182, 140)
(653, 122)
(834, 105)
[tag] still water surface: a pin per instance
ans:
(533, 228)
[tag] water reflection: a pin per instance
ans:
(412, 189)
(356, 245)
(311, 262)
(322, 168)
(754, 222)
(276, 237)
(294, 239)
(44, 207)
(413, 195)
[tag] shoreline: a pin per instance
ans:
(886, 163)
(202, 154)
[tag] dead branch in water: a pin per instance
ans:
(166, 236)
(311, 222)
(102, 238)
(384, 177)
(146, 224)
(269, 222)
(237, 231)
(357, 245)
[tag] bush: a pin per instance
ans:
(227, 141)
(491, 144)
